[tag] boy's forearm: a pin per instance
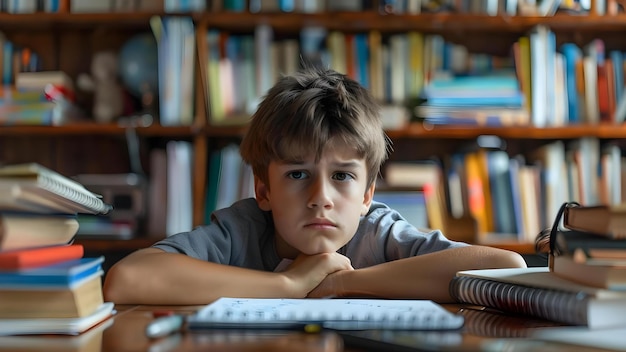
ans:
(423, 277)
(151, 276)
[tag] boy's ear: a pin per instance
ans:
(261, 191)
(367, 199)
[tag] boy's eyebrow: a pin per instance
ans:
(347, 164)
(341, 164)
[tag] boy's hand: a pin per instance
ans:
(308, 271)
(331, 286)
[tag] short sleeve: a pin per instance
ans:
(384, 235)
(240, 235)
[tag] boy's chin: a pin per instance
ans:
(320, 249)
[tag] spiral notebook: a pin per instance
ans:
(32, 187)
(326, 313)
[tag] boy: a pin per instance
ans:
(315, 144)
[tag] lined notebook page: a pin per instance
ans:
(330, 313)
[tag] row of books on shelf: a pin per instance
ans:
(47, 286)
(584, 284)
(513, 196)
(395, 67)
(510, 7)
(398, 7)
(93, 6)
(538, 84)
(20, 71)
(570, 84)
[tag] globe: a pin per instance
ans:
(138, 65)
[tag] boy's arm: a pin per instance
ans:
(152, 276)
(425, 276)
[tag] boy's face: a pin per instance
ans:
(316, 206)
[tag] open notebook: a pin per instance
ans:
(340, 314)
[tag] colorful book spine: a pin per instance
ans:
(37, 257)
(67, 274)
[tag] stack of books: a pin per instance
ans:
(584, 284)
(47, 286)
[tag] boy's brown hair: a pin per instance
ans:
(303, 112)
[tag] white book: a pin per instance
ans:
(57, 326)
(179, 193)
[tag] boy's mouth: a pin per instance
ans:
(321, 223)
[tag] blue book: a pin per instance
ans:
(7, 63)
(512, 101)
(498, 170)
(572, 54)
(62, 274)
(362, 59)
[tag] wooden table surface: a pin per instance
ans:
(125, 331)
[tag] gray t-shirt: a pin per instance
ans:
(243, 235)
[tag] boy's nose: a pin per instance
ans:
(320, 195)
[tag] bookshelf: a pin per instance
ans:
(67, 41)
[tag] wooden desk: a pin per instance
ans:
(125, 332)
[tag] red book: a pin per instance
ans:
(35, 257)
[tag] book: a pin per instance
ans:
(32, 187)
(568, 241)
(542, 294)
(340, 314)
(90, 340)
(81, 300)
(604, 220)
(65, 274)
(22, 230)
(36, 257)
(606, 273)
(56, 326)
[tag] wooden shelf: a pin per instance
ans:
(348, 21)
(45, 21)
(439, 22)
(97, 129)
(414, 130)
(519, 247)
(418, 130)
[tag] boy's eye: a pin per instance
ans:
(297, 175)
(342, 176)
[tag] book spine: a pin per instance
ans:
(559, 306)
